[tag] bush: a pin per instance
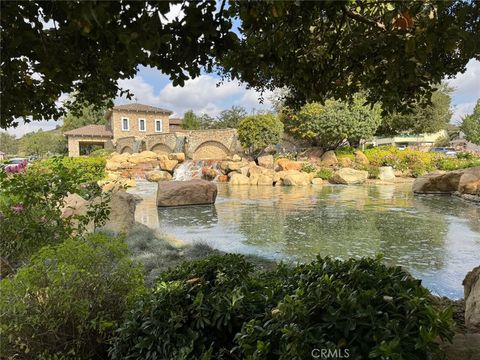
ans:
(256, 132)
(197, 309)
(87, 168)
(308, 168)
(101, 153)
(31, 204)
(68, 300)
(324, 173)
(220, 308)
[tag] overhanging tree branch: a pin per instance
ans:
(356, 16)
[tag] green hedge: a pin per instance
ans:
(220, 308)
(68, 300)
(89, 168)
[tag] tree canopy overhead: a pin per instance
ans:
(318, 50)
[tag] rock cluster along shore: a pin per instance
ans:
(464, 183)
(123, 169)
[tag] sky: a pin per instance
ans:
(205, 95)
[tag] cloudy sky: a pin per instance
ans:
(204, 95)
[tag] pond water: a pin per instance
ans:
(436, 238)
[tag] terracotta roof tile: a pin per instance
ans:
(175, 121)
(90, 130)
(141, 108)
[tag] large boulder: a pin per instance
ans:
(122, 212)
(255, 170)
(360, 158)
(386, 173)
(180, 193)
(239, 179)
(266, 161)
(317, 181)
(265, 180)
(438, 183)
(470, 182)
(314, 153)
(471, 287)
(280, 175)
(158, 175)
(298, 179)
(287, 164)
(348, 176)
(143, 157)
(329, 159)
(345, 161)
(167, 164)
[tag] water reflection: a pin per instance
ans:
(436, 238)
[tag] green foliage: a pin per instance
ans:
(416, 162)
(394, 50)
(67, 301)
(31, 203)
(229, 118)
(41, 143)
(101, 153)
(421, 118)
(332, 124)
(191, 121)
(443, 141)
(87, 169)
(86, 114)
(449, 164)
(8, 143)
(324, 173)
(256, 132)
(308, 167)
(471, 125)
(219, 308)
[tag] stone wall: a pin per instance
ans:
(196, 144)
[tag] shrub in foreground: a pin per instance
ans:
(220, 308)
(68, 300)
(31, 202)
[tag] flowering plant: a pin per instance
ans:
(31, 207)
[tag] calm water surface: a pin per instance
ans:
(436, 238)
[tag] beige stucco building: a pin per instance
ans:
(123, 121)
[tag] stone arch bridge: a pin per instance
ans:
(216, 144)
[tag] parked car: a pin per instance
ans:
(444, 150)
(401, 147)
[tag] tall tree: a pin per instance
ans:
(333, 123)
(87, 114)
(421, 118)
(41, 143)
(471, 125)
(8, 143)
(191, 121)
(317, 50)
(230, 118)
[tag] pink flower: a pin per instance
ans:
(17, 209)
(13, 169)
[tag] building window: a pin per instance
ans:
(141, 125)
(158, 126)
(125, 124)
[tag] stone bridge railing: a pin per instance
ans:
(215, 144)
